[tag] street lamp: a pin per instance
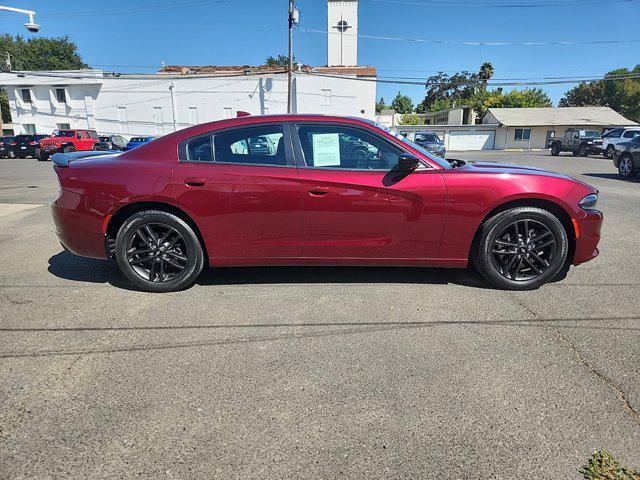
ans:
(31, 25)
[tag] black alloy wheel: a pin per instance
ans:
(625, 166)
(609, 151)
(158, 251)
(521, 248)
(555, 150)
(583, 151)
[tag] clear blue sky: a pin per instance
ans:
(247, 31)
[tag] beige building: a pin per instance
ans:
(533, 128)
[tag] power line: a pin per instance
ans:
(125, 11)
(476, 43)
(488, 84)
(442, 4)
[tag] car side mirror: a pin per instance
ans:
(407, 163)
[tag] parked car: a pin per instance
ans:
(432, 142)
(618, 135)
(189, 199)
(69, 141)
(626, 157)
(261, 146)
(135, 142)
(5, 146)
(26, 145)
(576, 141)
(111, 142)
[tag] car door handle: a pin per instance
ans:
(318, 191)
(195, 182)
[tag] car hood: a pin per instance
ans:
(510, 168)
(433, 144)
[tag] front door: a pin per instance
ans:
(246, 195)
(355, 207)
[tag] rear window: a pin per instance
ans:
(427, 137)
(24, 138)
(105, 139)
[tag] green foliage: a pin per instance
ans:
(445, 91)
(527, 97)
(621, 95)
(380, 105)
(37, 54)
(402, 104)
(411, 119)
(281, 61)
(602, 466)
(41, 53)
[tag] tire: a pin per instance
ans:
(583, 150)
(608, 153)
(44, 157)
(188, 247)
(575, 153)
(626, 169)
(11, 154)
(68, 149)
(555, 149)
(491, 265)
(96, 148)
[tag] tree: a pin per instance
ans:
(623, 95)
(37, 54)
(411, 119)
(402, 104)
(380, 105)
(525, 98)
(281, 61)
(445, 91)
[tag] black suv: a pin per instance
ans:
(25, 145)
(577, 141)
(111, 142)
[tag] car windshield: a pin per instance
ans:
(104, 139)
(63, 133)
(440, 161)
(427, 137)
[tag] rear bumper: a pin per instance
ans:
(78, 230)
(588, 236)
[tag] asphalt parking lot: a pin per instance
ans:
(315, 372)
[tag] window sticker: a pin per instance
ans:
(326, 149)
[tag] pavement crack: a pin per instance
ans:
(589, 366)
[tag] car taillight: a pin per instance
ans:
(33, 143)
(14, 143)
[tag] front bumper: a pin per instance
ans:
(588, 228)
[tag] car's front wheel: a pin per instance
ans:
(609, 151)
(521, 248)
(158, 251)
(583, 151)
(625, 167)
(555, 149)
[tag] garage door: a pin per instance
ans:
(471, 140)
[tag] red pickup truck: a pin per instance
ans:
(68, 141)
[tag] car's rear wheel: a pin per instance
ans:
(625, 166)
(11, 154)
(521, 248)
(555, 149)
(158, 251)
(68, 149)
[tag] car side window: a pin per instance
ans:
(199, 149)
(575, 135)
(567, 135)
(259, 145)
(631, 133)
(344, 147)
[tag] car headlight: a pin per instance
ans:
(589, 202)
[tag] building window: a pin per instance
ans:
(228, 112)
(26, 95)
(522, 134)
(29, 128)
(63, 126)
(122, 120)
(61, 95)
(193, 115)
(326, 97)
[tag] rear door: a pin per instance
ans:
(355, 207)
(246, 202)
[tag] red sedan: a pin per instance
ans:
(317, 190)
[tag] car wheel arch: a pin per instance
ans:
(552, 207)
(120, 215)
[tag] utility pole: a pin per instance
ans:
(290, 69)
(173, 107)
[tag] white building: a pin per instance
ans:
(177, 97)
